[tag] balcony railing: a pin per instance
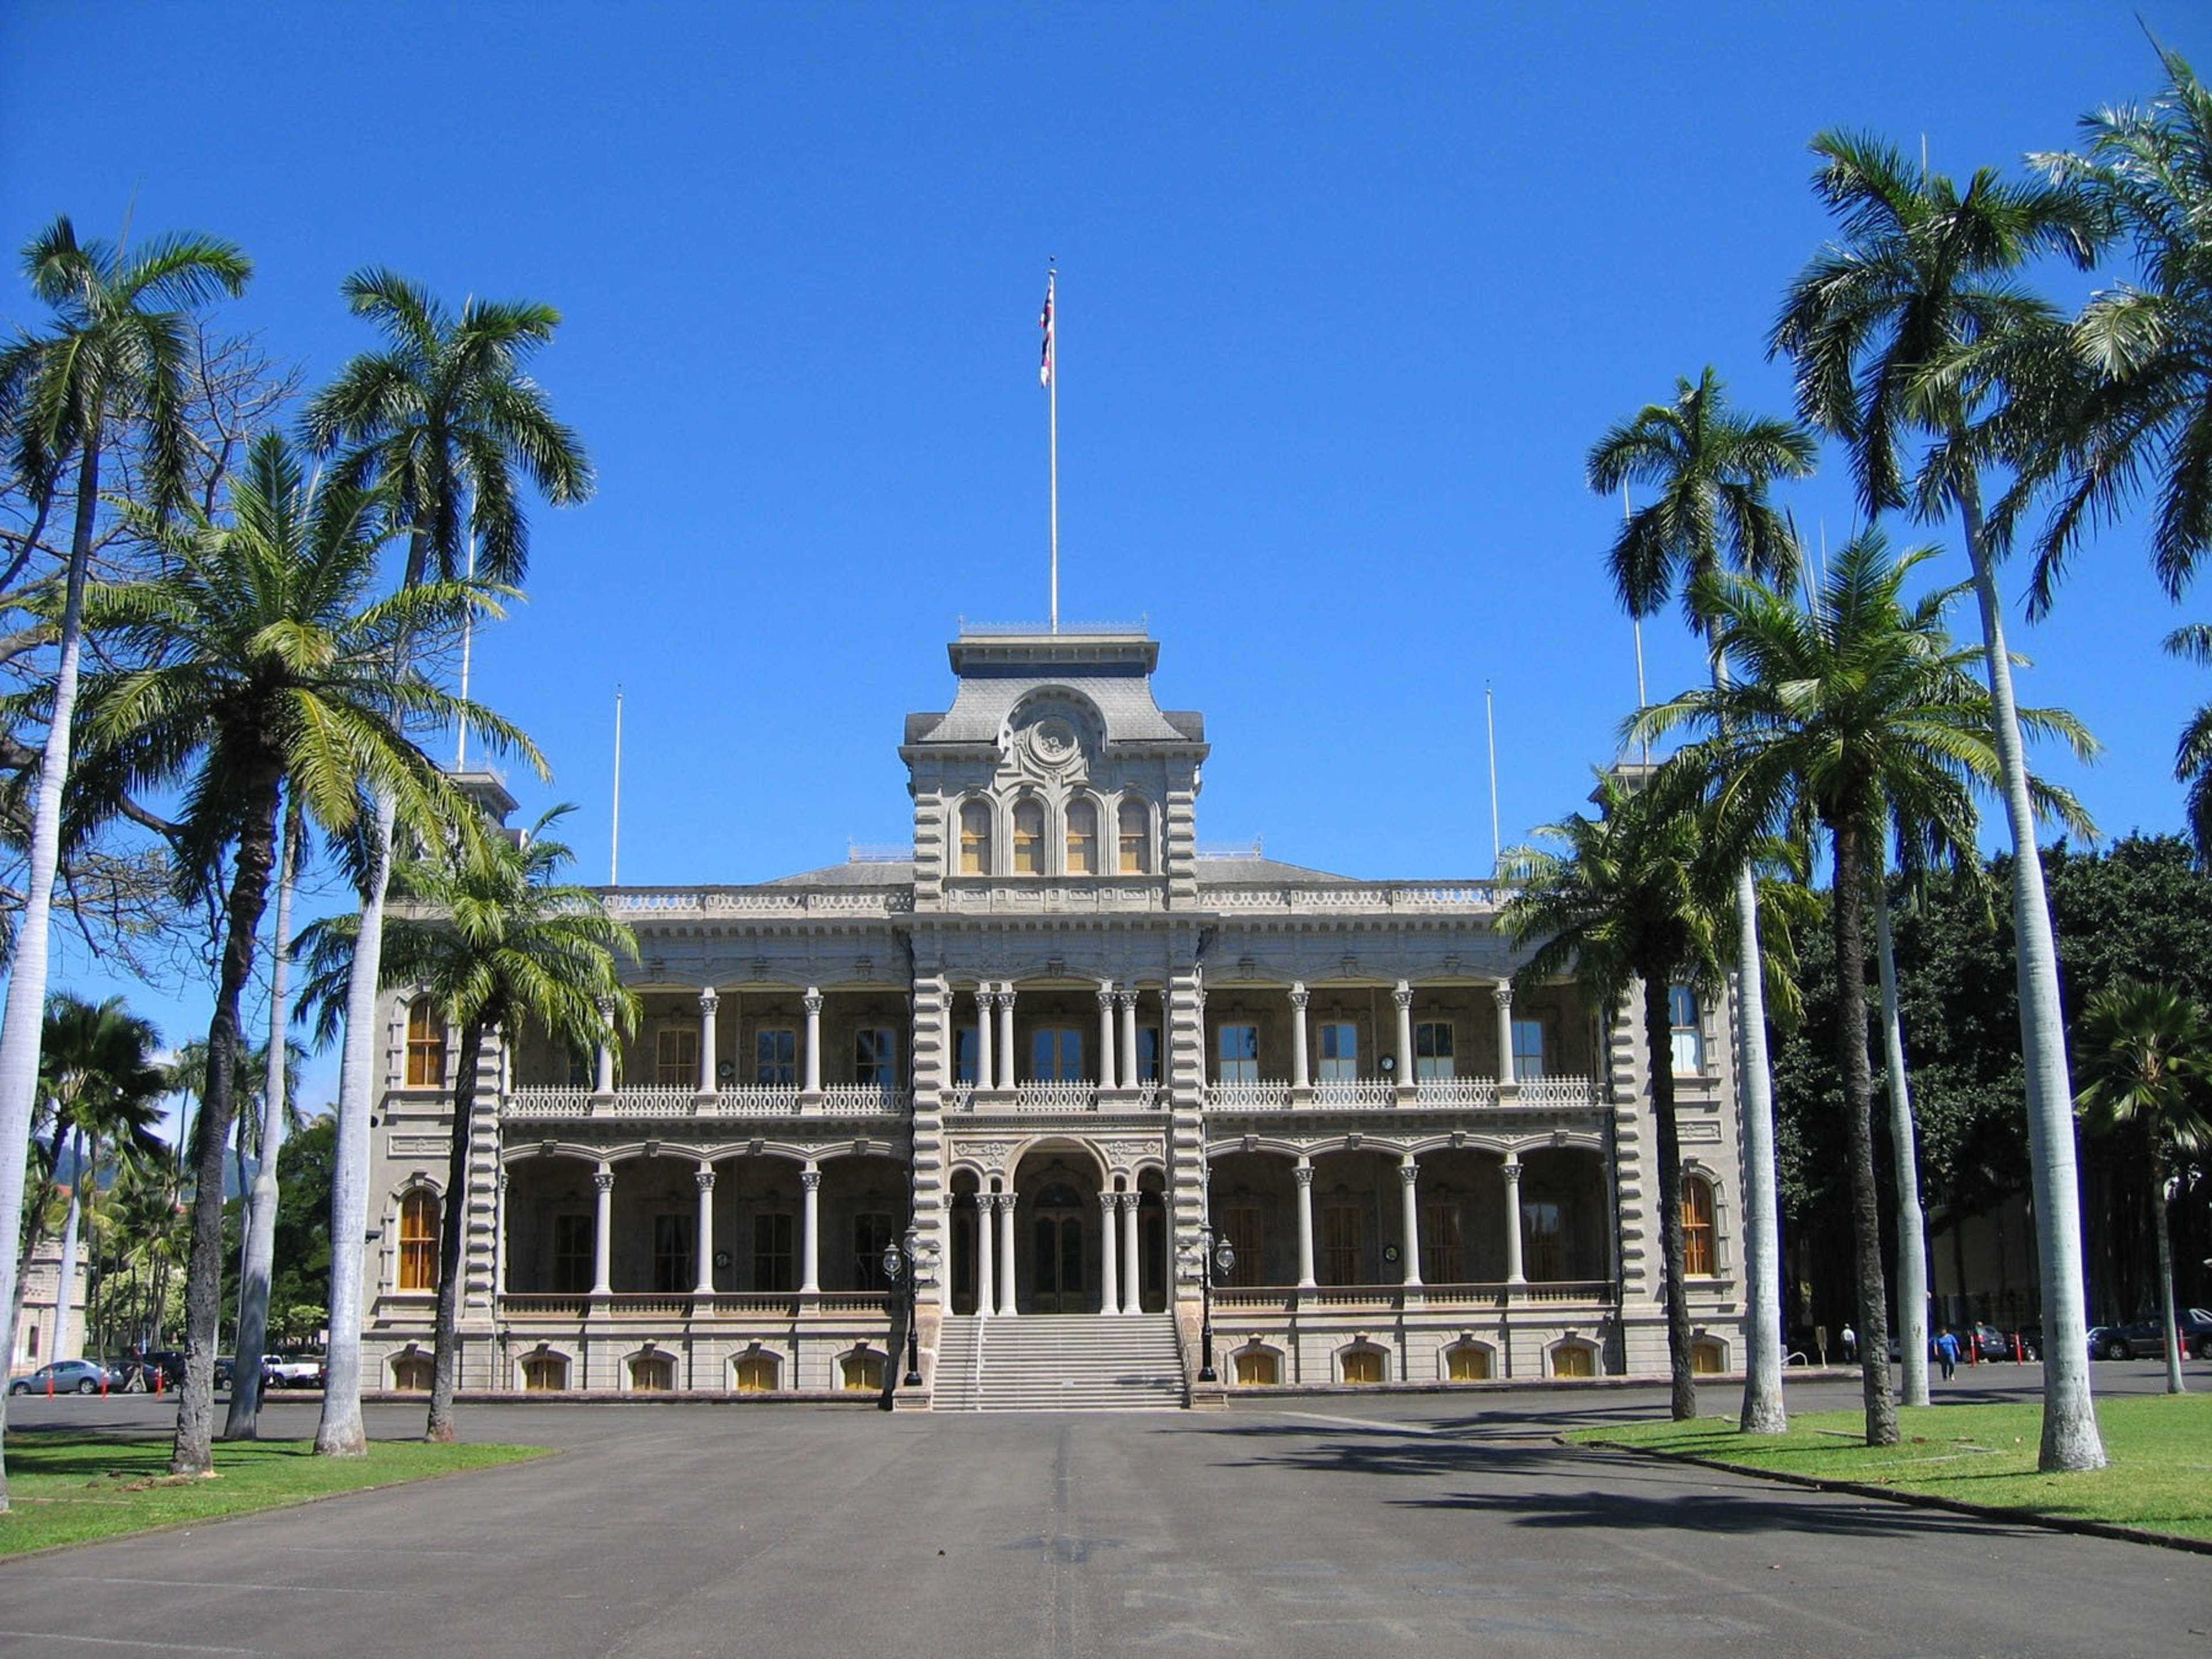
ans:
(1372, 1094)
(1454, 1092)
(1284, 1299)
(684, 1305)
(748, 1100)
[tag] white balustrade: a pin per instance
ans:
(1362, 1094)
(546, 1103)
(1059, 1096)
(1559, 1091)
(1248, 1096)
(1460, 1091)
(865, 1098)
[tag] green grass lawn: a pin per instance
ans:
(2159, 1477)
(65, 1488)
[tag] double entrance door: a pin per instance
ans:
(1056, 1277)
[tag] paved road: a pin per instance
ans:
(1310, 1527)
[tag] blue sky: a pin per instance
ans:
(1346, 294)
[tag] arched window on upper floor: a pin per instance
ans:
(418, 1240)
(975, 838)
(426, 1046)
(1082, 838)
(1696, 1227)
(1029, 838)
(1136, 826)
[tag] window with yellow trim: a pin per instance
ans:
(1696, 1227)
(426, 1046)
(975, 838)
(1029, 838)
(1574, 1359)
(652, 1373)
(676, 1058)
(1135, 823)
(863, 1372)
(1466, 1363)
(1082, 838)
(1361, 1365)
(756, 1373)
(410, 1373)
(418, 1240)
(1256, 1367)
(544, 1373)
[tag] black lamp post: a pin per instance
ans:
(1214, 1253)
(904, 1262)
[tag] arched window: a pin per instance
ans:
(1029, 838)
(1258, 1368)
(756, 1373)
(1136, 822)
(410, 1373)
(1360, 1364)
(863, 1372)
(426, 1046)
(975, 838)
(1467, 1362)
(1082, 838)
(1574, 1359)
(418, 1240)
(544, 1373)
(1696, 1227)
(652, 1373)
(1707, 1358)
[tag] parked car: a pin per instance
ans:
(166, 1362)
(2146, 1338)
(68, 1377)
(295, 1370)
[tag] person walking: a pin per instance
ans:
(1947, 1352)
(1850, 1345)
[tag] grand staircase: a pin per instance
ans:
(1059, 1362)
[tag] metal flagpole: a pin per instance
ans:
(1050, 371)
(1490, 720)
(614, 841)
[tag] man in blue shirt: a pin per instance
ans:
(1947, 1350)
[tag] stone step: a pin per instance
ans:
(1070, 1362)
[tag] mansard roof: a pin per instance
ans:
(1110, 668)
(857, 873)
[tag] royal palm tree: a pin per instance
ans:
(2148, 1051)
(1874, 325)
(259, 664)
(445, 417)
(1710, 469)
(2143, 420)
(1635, 903)
(1853, 714)
(498, 942)
(112, 364)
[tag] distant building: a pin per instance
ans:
(1053, 1042)
(36, 1329)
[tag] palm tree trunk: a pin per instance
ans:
(446, 1362)
(22, 1026)
(2070, 1438)
(1912, 1222)
(1764, 1411)
(260, 1257)
(340, 1434)
(2174, 1382)
(249, 896)
(1659, 1044)
(65, 1291)
(1859, 1111)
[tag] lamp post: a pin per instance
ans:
(1211, 1254)
(905, 1260)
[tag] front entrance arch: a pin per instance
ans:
(1058, 1230)
(1057, 1257)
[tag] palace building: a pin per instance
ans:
(1069, 1080)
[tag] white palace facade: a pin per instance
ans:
(1048, 1055)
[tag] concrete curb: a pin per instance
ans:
(1912, 1499)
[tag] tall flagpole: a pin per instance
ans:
(1047, 371)
(614, 839)
(1490, 720)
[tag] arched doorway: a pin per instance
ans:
(1058, 1220)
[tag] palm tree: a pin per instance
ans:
(444, 417)
(261, 666)
(113, 362)
(2143, 420)
(498, 943)
(1711, 468)
(1873, 326)
(1634, 902)
(2148, 1050)
(98, 1083)
(1853, 714)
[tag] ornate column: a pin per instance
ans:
(603, 1247)
(1301, 1060)
(1133, 1281)
(705, 1279)
(1110, 1278)
(1005, 1202)
(603, 1054)
(1514, 1275)
(1403, 996)
(1109, 1077)
(1503, 991)
(1304, 1175)
(813, 1001)
(986, 1284)
(708, 1002)
(1409, 1173)
(1004, 1002)
(1130, 1070)
(809, 1231)
(984, 1075)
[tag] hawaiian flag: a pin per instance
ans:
(1045, 322)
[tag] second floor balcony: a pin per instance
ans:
(746, 1101)
(1428, 1093)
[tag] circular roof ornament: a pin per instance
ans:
(1053, 740)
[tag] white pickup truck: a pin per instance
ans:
(295, 1371)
